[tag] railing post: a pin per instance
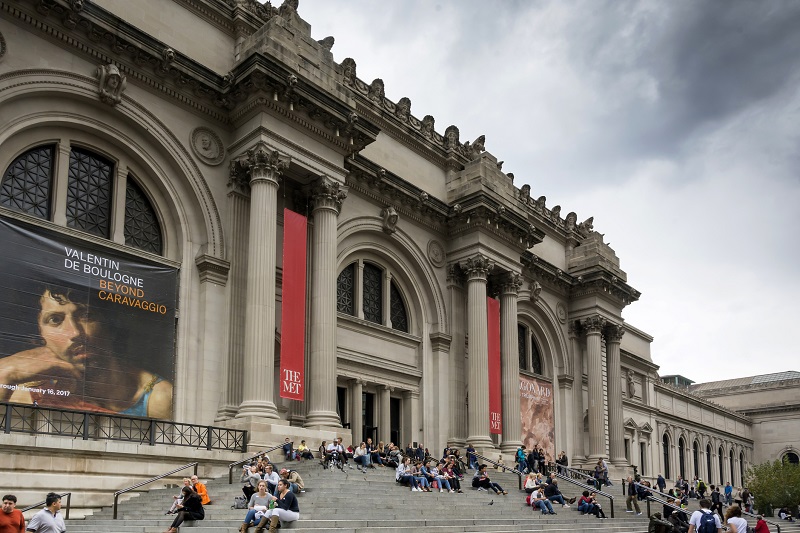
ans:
(195, 468)
(244, 441)
(69, 498)
(208, 437)
(152, 431)
(116, 501)
(7, 428)
(648, 508)
(85, 426)
(612, 507)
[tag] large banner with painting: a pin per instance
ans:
(83, 326)
(538, 422)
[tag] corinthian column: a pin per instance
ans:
(616, 445)
(327, 196)
(477, 269)
(264, 167)
(578, 451)
(509, 353)
(593, 327)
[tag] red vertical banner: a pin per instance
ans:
(293, 306)
(495, 385)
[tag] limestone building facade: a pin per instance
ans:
(210, 117)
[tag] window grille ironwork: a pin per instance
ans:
(27, 183)
(522, 334)
(373, 293)
(89, 187)
(345, 290)
(397, 307)
(536, 358)
(142, 229)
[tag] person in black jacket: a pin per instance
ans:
(189, 509)
(286, 509)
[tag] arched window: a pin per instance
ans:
(741, 466)
(665, 448)
(397, 309)
(536, 358)
(733, 470)
(29, 181)
(682, 457)
(696, 458)
(346, 290)
(522, 340)
(372, 299)
(708, 462)
(792, 458)
(721, 457)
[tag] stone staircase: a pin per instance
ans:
(350, 502)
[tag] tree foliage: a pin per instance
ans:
(774, 484)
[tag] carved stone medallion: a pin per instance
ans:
(2, 47)
(207, 146)
(436, 253)
(561, 313)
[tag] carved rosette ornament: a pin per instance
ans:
(436, 253)
(477, 267)
(593, 325)
(511, 283)
(111, 84)
(328, 193)
(561, 312)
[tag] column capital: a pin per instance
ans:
(510, 283)
(259, 163)
(455, 276)
(327, 193)
(593, 324)
(573, 330)
(613, 332)
(477, 267)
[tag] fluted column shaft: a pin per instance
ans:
(578, 449)
(265, 167)
(616, 444)
(594, 331)
(327, 196)
(477, 269)
(385, 430)
(457, 374)
(509, 353)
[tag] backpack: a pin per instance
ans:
(715, 497)
(239, 502)
(708, 523)
(520, 455)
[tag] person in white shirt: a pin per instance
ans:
(49, 519)
(697, 518)
(733, 517)
(272, 478)
(336, 446)
(362, 457)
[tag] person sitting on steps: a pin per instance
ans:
(482, 482)
(190, 509)
(286, 509)
(403, 475)
(259, 501)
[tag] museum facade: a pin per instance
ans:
(442, 303)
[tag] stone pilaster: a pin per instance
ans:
(613, 334)
(385, 430)
(477, 269)
(509, 354)
(593, 327)
(457, 363)
(264, 167)
(356, 411)
(578, 449)
(327, 196)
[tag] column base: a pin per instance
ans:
(257, 409)
(265, 434)
(482, 444)
(510, 446)
(619, 461)
(226, 412)
(323, 419)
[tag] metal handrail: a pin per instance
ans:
(652, 498)
(504, 467)
(590, 489)
(66, 513)
(651, 489)
(243, 461)
(580, 473)
(143, 483)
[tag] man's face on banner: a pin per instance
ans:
(66, 328)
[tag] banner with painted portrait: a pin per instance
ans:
(536, 410)
(83, 326)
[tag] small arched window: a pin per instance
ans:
(397, 309)
(142, 229)
(708, 462)
(721, 457)
(733, 470)
(536, 358)
(346, 290)
(373, 303)
(741, 466)
(522, 340)
(696, 458)
(792, 458)
(682, 457)
(665, 449)
(27, 183)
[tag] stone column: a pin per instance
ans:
(509, 356)
(385, 430)
(327, 196)
(233, 369)
(265, 167)
(613, 334)
(457, 362)
(356, 411)
(593, 326)
(578, 449)
(477, 269)
(118, 213)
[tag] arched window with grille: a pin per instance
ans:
(522, 340)
(372, 298)
(536, 357)
(27, 183)
(346, 290)
(696, 458)
(142, 229)
(89, 188)
(397, 308)
(682, 457)
(708, 462)
(665, 450)
(733, 469)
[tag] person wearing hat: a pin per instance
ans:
(295, 481)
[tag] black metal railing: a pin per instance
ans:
(504, 467)
(35, 420)
(590, 488)
(66, 509)
(146, 482)
(243, 461)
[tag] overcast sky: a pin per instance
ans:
(674, 123)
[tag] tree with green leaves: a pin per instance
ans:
(774, 485)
